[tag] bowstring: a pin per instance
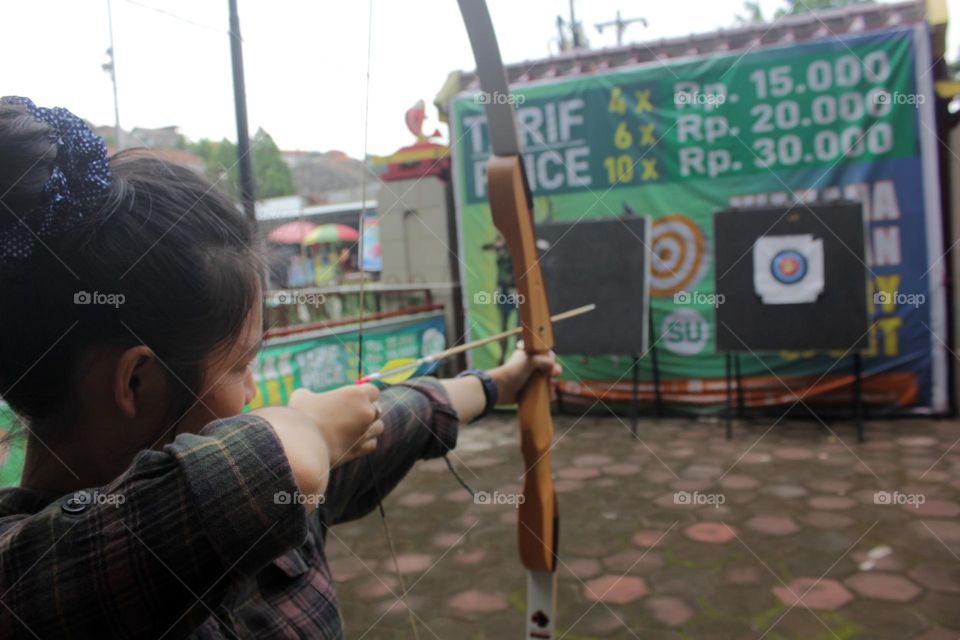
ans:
(360, 251)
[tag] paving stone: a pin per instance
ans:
(743, 575)
(458, 495)
(348, 568)
(825, 594)
(935, 509)
(447, 540)
(396, 608)
(879, 558)
(481, 462)
(578, 473)
(592, 460)
(883, 586)
(831, 503)
(738, 482)
(835, 487)
(938, 577)
(793, 453)
(917, 441)
(622, 469)
(477, 602)
(471, 557)
(648, 539)
(417, 499)
(691, 484)
(679, 453)
(414, 562)
(660, 477)
(583, 568)
(710, 532)
(633, 561)
(612, 589)
(754, 458)
(702, 471)
(945, 531)
(939, 633)
(469, 520)
(378, 587)
(673, 500)
(773, 525)
(568, 486)
(929, 475)
(669, 610)
(786, 491)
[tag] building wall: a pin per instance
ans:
(415, 239)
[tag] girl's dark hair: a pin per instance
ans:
(166, 261)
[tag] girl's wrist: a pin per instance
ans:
(504, 382)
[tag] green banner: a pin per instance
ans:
(679, 140)
(329, 359)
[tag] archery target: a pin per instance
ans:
(679, 259)
(788, 269)
(788, 266)
(792, 278)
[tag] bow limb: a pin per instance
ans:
(511, 207)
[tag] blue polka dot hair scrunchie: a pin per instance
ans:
(77, 184)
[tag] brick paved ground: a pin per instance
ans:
(679, 534)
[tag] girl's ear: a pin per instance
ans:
(137, 378)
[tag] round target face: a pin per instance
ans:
(678, 251)
(788, 266)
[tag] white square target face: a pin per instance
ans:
(788, 269)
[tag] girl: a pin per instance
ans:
(149, 506)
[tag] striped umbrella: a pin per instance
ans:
(331, 233)
(291, 232)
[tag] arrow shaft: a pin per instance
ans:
(452, 351)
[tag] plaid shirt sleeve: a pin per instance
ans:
(150, 554)
(419, 424)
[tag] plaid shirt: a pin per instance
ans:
(192, 541)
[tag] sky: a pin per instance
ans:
(306, 60)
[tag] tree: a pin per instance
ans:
(754, 14)
(795, 7)
(272, 175)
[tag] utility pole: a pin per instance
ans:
(621, 26)
(247, 186)
(574, 28)
(577, 39)
(111, 68)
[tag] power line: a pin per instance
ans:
(175, 16)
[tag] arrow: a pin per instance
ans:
(400, 369)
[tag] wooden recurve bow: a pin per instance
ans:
(511, 205)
